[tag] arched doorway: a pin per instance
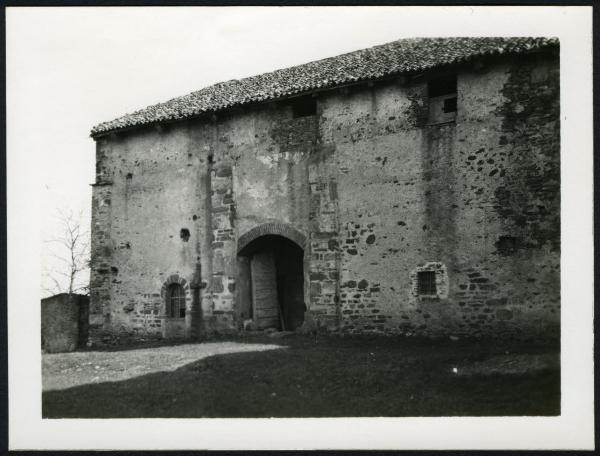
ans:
(271, 282)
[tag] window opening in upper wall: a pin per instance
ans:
(304, 106)
(444, 85)
(442, 99)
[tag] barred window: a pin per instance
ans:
(175, 301)
(426, 283)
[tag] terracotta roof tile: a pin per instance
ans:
(397, 57)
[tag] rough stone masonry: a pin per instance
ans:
(409, 188)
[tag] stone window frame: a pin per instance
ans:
(441, 280)
(174, 279)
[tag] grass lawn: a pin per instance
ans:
(300, 376)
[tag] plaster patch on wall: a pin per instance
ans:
(268, 160)
(274, 159)
(256, 189)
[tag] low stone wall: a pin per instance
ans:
(64, 322)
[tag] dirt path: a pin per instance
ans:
(64, 370)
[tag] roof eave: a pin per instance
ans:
(554, 44)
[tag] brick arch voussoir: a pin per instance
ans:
(175, 278)
(274, 228)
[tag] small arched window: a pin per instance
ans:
(175, 301)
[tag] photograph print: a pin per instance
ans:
(375, 233)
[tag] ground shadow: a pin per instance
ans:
(357, 377)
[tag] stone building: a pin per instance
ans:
(408, 188)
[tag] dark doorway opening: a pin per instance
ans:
(271, 283)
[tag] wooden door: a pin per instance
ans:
(265, 307)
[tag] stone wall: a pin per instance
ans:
(377, 192)
(413, 194)
(148, 224)
(64, 322)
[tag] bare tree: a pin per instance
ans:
(70, 254)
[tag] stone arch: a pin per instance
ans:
(175, 327)
(272, 228)
(175, 278)
(273, 254)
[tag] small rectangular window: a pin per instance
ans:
(442, 99)
(445, 85)
(450, 105)
(426, 283)
(507, 245)
(304, 106)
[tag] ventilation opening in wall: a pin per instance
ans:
(507, 245)
(426, 283)
(184, 234)
(442, 99)
(449, 105)
(304, 106)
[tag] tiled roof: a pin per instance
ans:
(402, 56)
